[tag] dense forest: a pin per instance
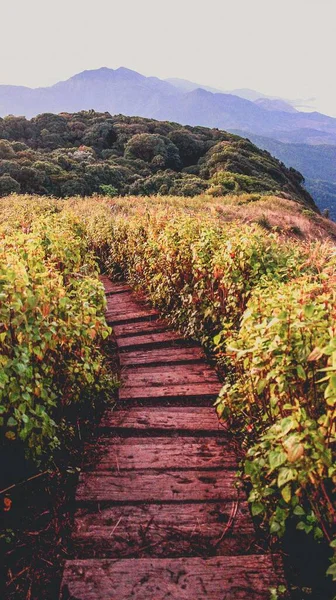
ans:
(87, 153)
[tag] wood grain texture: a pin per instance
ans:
(192, 578)
(187, 391)
(156, 486)
(165, 418)
(169, 375)
(161, 356)
(153, 530)
(165, 338)
(118, 288)
(140, 328)
(121, 454)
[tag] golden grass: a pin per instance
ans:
(287, 217)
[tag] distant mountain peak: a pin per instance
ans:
(107, 73)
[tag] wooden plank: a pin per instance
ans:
(121, 288)
(117, 302)
(106, 281)
(121, 302)
(140, 328)
(124, 454)
(187, 391)
(129, 316)
(166, 338)
(169, 375)
(155, 486)
(172, 418)
(161, 356)
(163, 530)
(246, 577)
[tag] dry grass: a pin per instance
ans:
(286, 217)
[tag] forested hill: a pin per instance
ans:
(88, 152)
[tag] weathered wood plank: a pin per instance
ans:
(155, 486)
(163, 530)
(120, 288)
(189, 390)
(119, 302)
(140, 328)
(129, 316)
(169, 375)
(161, 356)
(172, 418)
(120, 454)
(217, 578)
(166, 338)
(106, 281)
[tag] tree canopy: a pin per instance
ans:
(87, 153)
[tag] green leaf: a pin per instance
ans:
(332, 571)
(275, 527)
(257, 508)
(11, 422)
(308, 310)
(217, 339)
(286, 475)
(276, 458)
(261, 385)
(286, 493)
(301, 372)
(298, 511)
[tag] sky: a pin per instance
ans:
(282, 48)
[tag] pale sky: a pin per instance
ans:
(283, 48)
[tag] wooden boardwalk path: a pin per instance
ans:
(159, 516)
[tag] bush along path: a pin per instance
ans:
(158, 511)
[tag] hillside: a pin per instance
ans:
(318, 163)
(87, 152)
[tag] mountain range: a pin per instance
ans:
(288, 133)
(127, 92)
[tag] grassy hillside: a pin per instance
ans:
(316, 162)
(87, 152)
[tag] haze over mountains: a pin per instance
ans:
(127, 92)
(244, 111)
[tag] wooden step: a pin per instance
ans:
(124, 454)
(140, 328)
(109, 285)
(151, 340)
(121, 302)
(159, 515)
(187, 391)
(168, 375)
(161, 356)
(246, 577)
(157, 486)
(163, 530)
(113, 318)
(120, 288)
(167, 419)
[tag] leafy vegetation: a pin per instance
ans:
(51, 331)
(259, 296)
(266, 311)
(88, 153)
(315, 160)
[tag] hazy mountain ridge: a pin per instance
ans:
(127, 92)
